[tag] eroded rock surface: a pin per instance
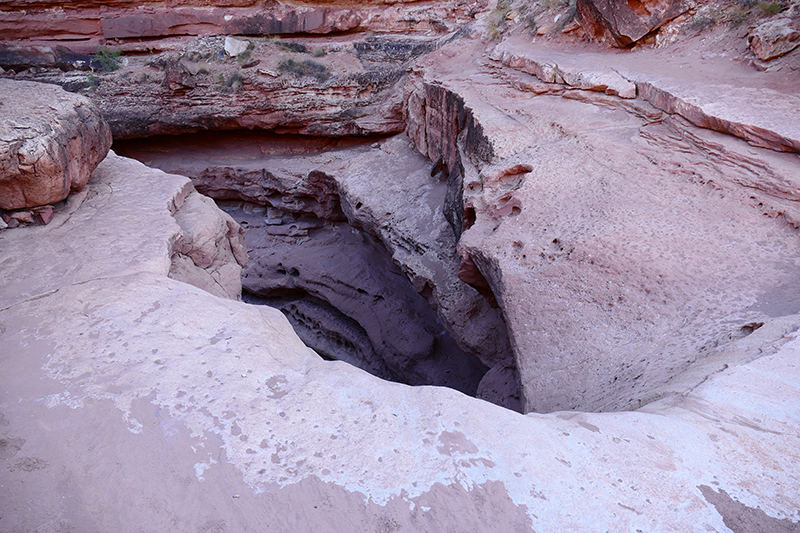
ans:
(639, 266)
(625, 23)
(126, 20)
(121, 384)
(341, 286)
(211, 252)
(636, 253)
(774, 38)
(50, 141)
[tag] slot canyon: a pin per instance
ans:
(430, 265)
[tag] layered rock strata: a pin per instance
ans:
(130, 21)
(341, 88)
(623, 24)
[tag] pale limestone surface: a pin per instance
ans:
(130, 401)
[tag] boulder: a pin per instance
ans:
(774, 38)
(235, 47)
(210, 252)
(625, 23)
(49, 146)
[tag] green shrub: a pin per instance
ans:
(305, 68)
(106, 59)
(553, 4)
(235, 82)
(498, 19)
(700, 24)
(299, 48)
(770, 8)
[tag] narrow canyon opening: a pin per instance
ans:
(354, 287)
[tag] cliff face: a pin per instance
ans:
(127, 21)
(605, 241)
(166, 69)
(319, 89)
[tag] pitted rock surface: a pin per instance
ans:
(120, 384)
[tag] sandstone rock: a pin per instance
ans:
(762, 116)
(774, 38)
(627, 22)
(23, 217)
(137, 372)
(19, 57)
(43, 215)
(179, 92)
(210, 253)
(126, 22)
(564, 69)
(235, 47)
(49, 147)
(343, 293)
(550, 257)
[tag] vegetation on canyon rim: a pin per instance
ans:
(305, 68)
(107, 59)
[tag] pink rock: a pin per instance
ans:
(626, 22)
(774, 38)
(50, 142)
(24, 217)
(43, 215)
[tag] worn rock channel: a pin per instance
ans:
(315, 211)
(347, 237)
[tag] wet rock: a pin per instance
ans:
(48, 146)
(774, 38)
(625, 23)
